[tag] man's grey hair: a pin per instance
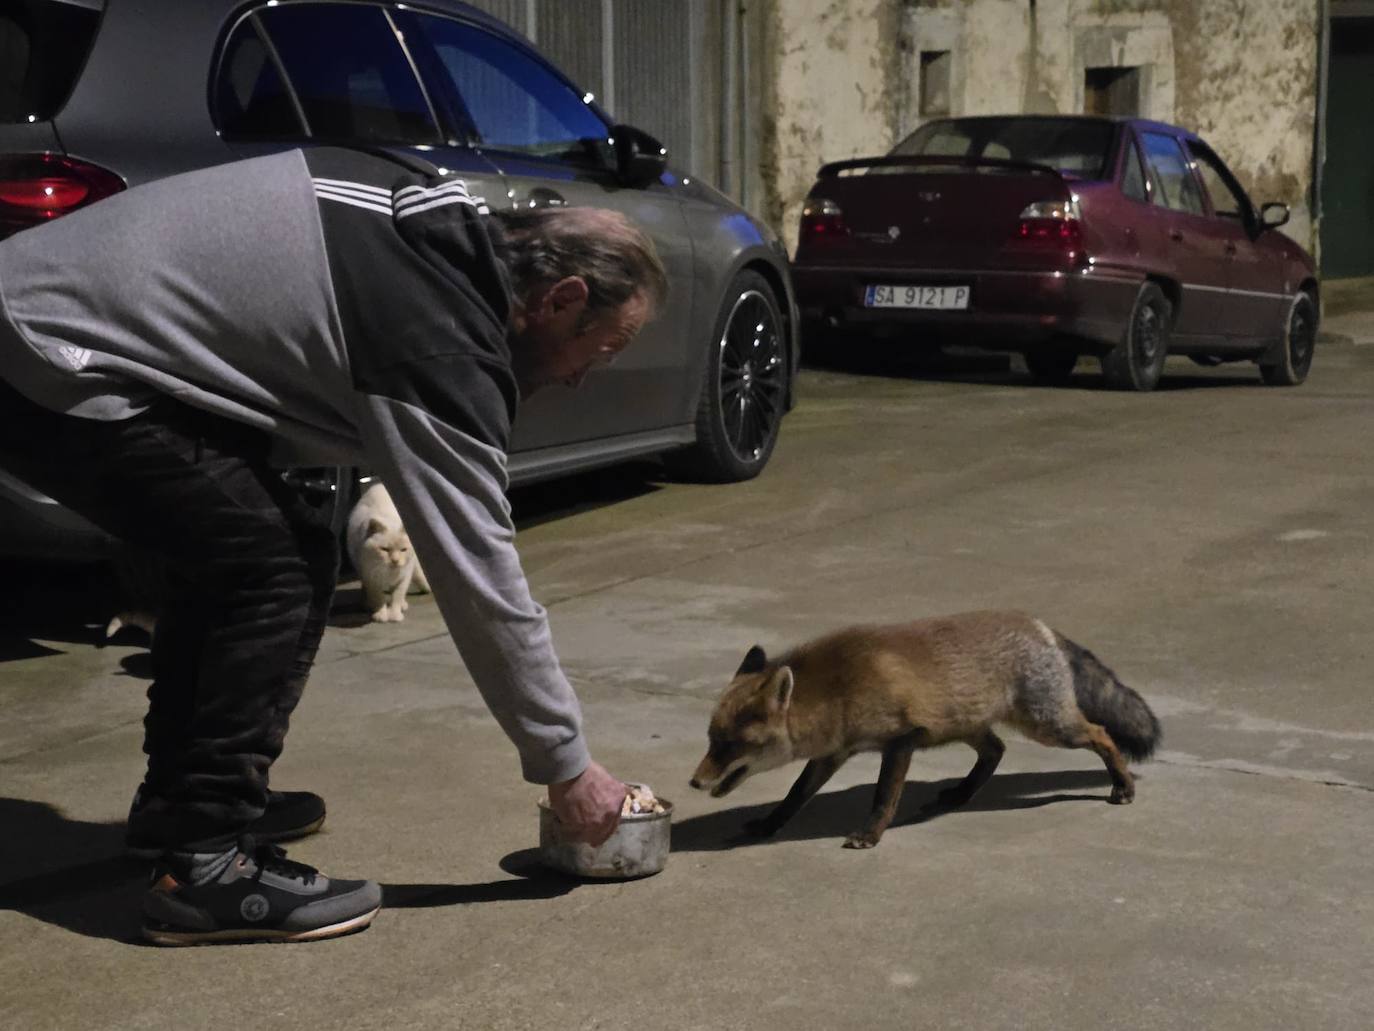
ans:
(615, 257)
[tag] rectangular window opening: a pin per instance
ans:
(1111, 91)
(935, 66)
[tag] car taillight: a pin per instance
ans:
(822, 220)
(1053, 223)
(35, 188)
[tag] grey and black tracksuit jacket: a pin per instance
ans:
(356, 311)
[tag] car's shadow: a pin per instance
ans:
(551, 500)
(53, 602)
(996, 369)
(532, 506)
(46, 604)
(835, 814)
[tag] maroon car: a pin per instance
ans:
(1057, 237)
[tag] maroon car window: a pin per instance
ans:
(1076, 146)
(1227, 200)
(1175, 186)
(359, 87)
(1133, 178)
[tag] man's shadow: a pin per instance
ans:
(74, 874)
(835, 814)
(70, 873)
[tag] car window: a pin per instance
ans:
(1227, 199)
(251, 100)
(353, 79)
(946, 141)
(514, 102)
(43, 46)
(1133, 178)
(1175, 186)
(1076, 146)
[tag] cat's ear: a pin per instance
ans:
(374, 527)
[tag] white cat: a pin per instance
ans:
(379, 548)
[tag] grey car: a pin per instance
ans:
(98, 96)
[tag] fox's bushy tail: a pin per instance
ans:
(1105, 700)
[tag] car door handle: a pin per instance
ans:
(543, 197)
(1230, 249)
(1175, 235)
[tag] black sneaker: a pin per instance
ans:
(251, 893)
(290, 815)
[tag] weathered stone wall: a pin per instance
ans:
(843, 78)
(1247, 82)
(835, 81)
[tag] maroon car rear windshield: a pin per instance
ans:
(43, 45)
(1074, 146)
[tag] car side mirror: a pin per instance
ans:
(639, 158)
(1273, 215)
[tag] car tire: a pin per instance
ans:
(1299, 343)
(1136, 362)
(1052, 367)
(744, 388)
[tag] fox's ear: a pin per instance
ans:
(754, 662)
(780, 688)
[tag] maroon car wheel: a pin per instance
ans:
(1299, 343)
(1136, 362)
(745, 389)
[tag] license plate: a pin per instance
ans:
(943, 298)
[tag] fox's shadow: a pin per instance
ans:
(835, 814)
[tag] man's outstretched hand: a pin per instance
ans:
(588, 806)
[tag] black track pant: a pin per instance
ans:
(252, 568)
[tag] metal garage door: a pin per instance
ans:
(650, 63)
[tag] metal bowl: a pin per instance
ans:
(638, 848)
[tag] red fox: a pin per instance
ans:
(894, 689)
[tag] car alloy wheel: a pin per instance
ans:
(1299, 345)
(745, 389)
(751, 376)
(1136, 362)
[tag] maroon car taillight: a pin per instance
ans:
(821, 221)
(36, 188)
(1052, 222)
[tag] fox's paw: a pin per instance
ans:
(762, 828)
(862, 839)
(1120, 796)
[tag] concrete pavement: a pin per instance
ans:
(1210, 541)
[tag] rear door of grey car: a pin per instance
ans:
(332, 73)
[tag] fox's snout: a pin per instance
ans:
(719, 782)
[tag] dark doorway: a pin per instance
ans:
(1347, 223)
(1111, 91)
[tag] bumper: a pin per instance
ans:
(1008, 309)
(36, 527)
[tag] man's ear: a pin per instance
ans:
(754, 662)
(779, 689)
(568, 292)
